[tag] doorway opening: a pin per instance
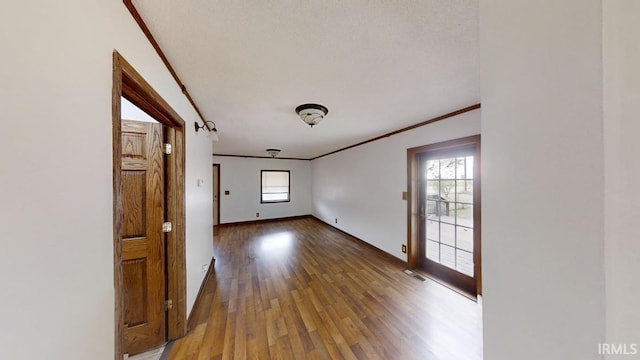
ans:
(444, 213)
(148, 216)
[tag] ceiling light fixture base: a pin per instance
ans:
(312, 114)
(273, 152)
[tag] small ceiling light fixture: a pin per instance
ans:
(213, 132)
(312, 114)
(273, 152)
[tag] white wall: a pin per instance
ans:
(542, 182)
(56, 262)
(362, 187)
(622, 169)
(199, 209)
(241, 176)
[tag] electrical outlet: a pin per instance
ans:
(205, 268)
(258, 214)
(404, 248)
(336, 220)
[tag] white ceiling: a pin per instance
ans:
(378, 65)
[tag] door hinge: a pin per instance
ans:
(168, 149)
(166, 227)
(168, 305)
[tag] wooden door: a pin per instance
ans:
(143, 250)
(216, 194)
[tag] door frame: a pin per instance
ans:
(128, 83)
(413, 216)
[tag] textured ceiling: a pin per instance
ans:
(378, 65)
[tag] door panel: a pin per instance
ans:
(134, 184)
(143, 249)
(135, 286)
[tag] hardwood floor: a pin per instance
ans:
(300, 289)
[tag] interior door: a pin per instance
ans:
(143, 250)
(449, 209)
(216, 194)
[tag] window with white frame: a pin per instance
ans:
(275, 186)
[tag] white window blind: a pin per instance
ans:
(275, 186)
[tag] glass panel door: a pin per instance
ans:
(448, 236)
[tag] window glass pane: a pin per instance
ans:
(433, 211)
(448, 212)
(448, 256)
(448, 168)
(464, 191)
(433, 251)
(447, 234)
(464, 262)
(433, 188)
(275, 189)
(460, 168)
(464, 215)
(275, 197)
(433, 230)
(448, 190)
(464, 238)
(433, 169)
(464, 168)
(469, 167)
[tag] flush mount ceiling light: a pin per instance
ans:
(312, 114)
(212, 131)
(273, 152)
